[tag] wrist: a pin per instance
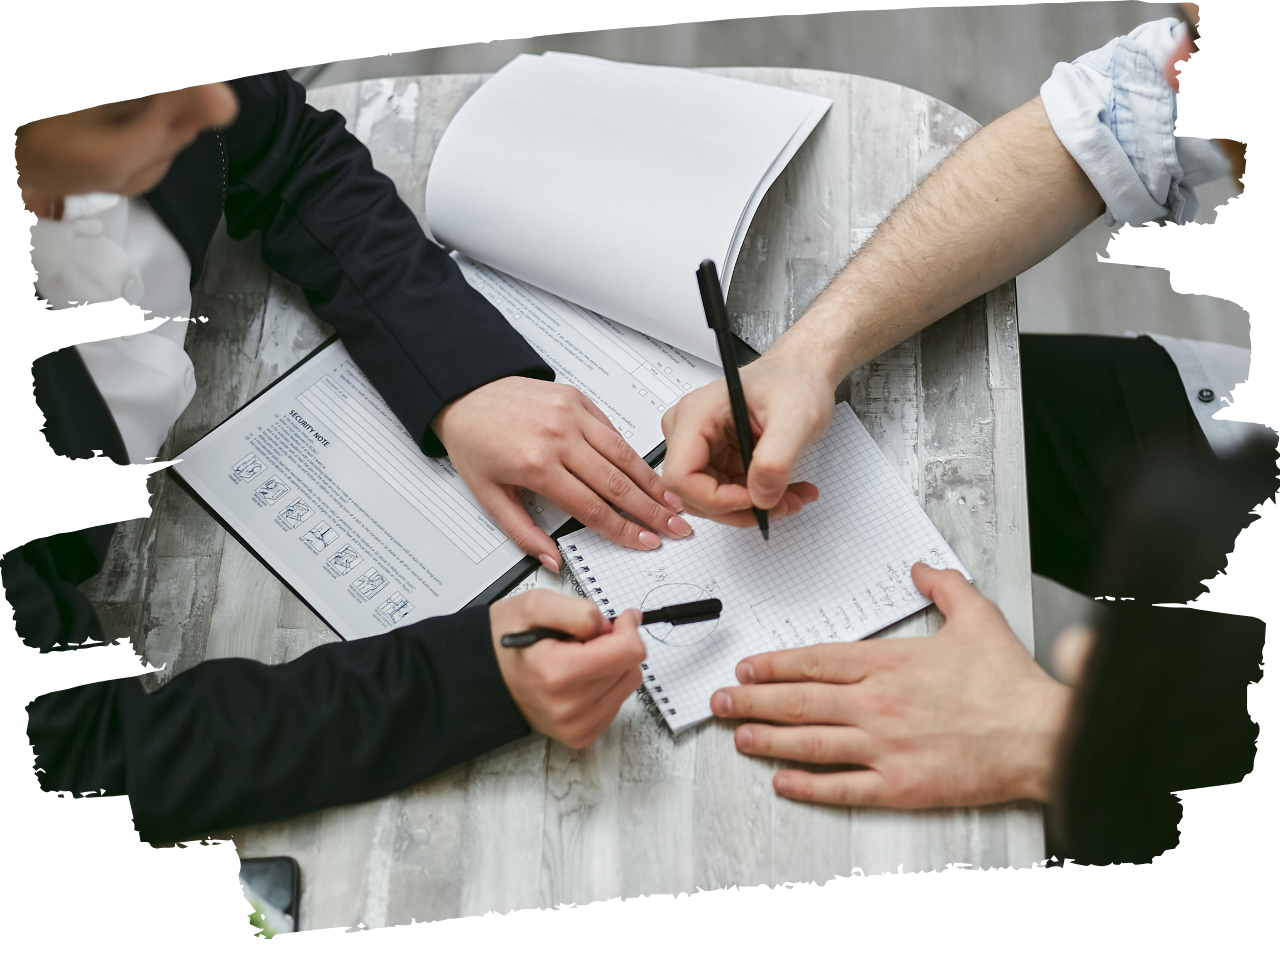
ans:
(449, 413)
(829, 341)
(1048, 713)
(813, 352)
(507, 667)
(439, 426)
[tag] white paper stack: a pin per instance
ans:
(608, 183)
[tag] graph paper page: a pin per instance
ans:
(840, 570)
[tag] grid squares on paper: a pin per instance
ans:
(840, 570)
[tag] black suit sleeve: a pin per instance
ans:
(236, 742)
(335, 226)
(232, 742)
(40, 577)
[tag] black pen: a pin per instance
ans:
(677, 614)
(718, 320)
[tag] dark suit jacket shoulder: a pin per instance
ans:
(335, 226)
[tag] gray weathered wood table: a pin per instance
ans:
(536, 824)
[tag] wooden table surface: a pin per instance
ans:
(535, 824)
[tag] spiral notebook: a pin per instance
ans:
(840, 570)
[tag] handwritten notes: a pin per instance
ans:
(839, 571)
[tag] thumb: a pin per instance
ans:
(948, 589)
(785, 437)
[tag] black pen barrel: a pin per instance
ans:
(718, 320)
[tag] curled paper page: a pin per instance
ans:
(608, 183)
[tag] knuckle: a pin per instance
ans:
(846, 792)
(813, 747)
(596, 513)
(655, 514)
(796, 706)
(811, 664)
(532, 460)
(629, 532)
(617, 484)
(769, 462)
(622, 452)
(566, 400)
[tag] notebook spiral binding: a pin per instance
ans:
(579, 572)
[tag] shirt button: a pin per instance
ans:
(1206, 395)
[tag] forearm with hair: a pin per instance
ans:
(1001, 203)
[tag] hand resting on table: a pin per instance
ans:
(963, 717)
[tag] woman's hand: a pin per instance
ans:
(568, 690)
(518, 434)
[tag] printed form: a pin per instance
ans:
(324, 484)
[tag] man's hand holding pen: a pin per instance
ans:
(730, 451)
(569, 691)
(790, 407)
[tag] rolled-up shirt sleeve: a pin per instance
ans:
(1115, 114)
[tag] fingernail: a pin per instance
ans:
(679, 526)
(672, 500)
(720, 703)
(650, 540)
(746, 673)
(549, 562)
(744, 737)
(782, 782)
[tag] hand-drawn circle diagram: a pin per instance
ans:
(673, 635)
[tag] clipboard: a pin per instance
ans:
(497, 589)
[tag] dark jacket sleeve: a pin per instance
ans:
(232, 742)
(40, 577)
(337, 228)
(235, 742)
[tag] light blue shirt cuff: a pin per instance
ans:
(1115, 114)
